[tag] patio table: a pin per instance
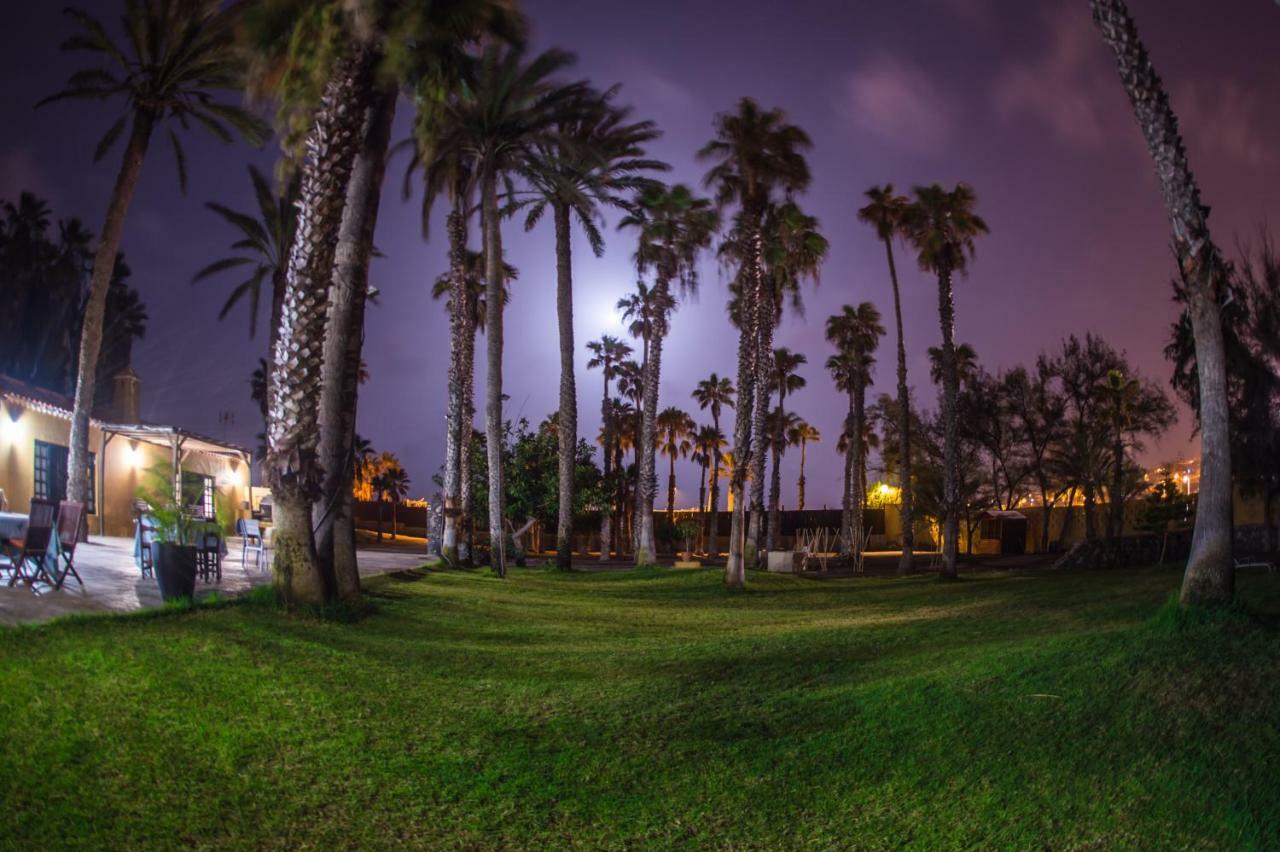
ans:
(12, 526)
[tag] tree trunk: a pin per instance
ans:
(104, 263)
(395, 519)
(713, 532)
(292, 468)
(859, 497)
(745, 431)
(846, 494)
(671, 491)
(646, 467)
(951, 449)
(493, 344)
(1209, 578)
(1048, 514)
(1115, 526)
(568, 392)
(455, 413)
(800, 481)
(759, 425)
(344, 340)
(774, 532)
(906, 563)
(466, 441)
(1067, 516)
(606, 511)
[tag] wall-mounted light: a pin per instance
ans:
(133, 453)
(11, 425)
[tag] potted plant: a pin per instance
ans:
(173, 552)
(687, 529)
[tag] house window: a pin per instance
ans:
(51, 474)
(197, 489)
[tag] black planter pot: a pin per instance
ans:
(175, 568)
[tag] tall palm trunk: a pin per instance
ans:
(1210, 578)
(671, 490)
(846, 495)
(775, 479)
(292, 434)
(858, 482)
(568, 391)
(333, 514)
(951, 449)
(493, 345)
(713, 532)
(735, 566)
(906, 563)
(702, 487)
(760, 424)
(466, 437)
(104, 264)
(460, 308)
(646, 456)
(606, 511)
(1115, 523)
(800, 481)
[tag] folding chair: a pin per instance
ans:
(35, 547)
(251, 530)
(70, 515)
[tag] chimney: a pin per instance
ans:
(126, 397)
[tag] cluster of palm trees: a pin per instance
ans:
(498, 131)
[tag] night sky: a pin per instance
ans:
(1019, 99)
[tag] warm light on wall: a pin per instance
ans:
(133, 455)
(11, 423)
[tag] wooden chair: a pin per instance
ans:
(35, 547)
(209, 555)
(70, 519)
(251, 531)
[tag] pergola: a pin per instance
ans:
(179, 442)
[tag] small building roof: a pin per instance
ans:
(1004, 514)
(55, 404)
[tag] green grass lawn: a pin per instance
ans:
(655, 709)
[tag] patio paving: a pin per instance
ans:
(112, 583)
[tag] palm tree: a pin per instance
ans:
(856, 334)
(885, 213)
(801, 435)
(676, 431)
(395, 487)
(262, 243)
(463, 289)
(505, 109)
(1209, 579)
(674, 227)
(607, 354)
(708, 446)
(756, 154)
(179, 57)
(942, 226)
(714, 393)
(784, 380)
(588, 164)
